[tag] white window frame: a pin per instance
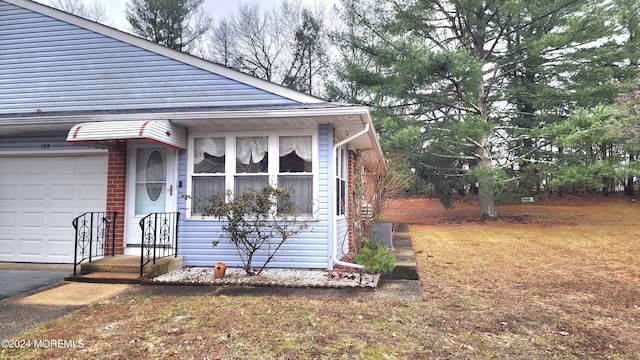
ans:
(342, 171)
(230, 164)
(218, 175)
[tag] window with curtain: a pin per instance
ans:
(295, 171)
(208, 170)
(341, 183)
(252, 164)
(241, 163)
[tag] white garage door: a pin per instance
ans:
(40, 196)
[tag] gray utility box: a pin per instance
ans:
(384, 232)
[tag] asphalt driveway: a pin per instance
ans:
(23, 279)
(14, 282)
(18, 278)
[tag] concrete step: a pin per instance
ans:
(125, 267)
(402, 273)
(406, 267)
(114, 264)
(107, 278)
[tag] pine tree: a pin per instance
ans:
(176, 24)
(472, 84)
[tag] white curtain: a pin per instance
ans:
(249, 183)
(300, 144)
(248, 148)
(203, 188)
(211, 146)
(300, 189)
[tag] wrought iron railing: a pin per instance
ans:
(95, 236)
(159, 237)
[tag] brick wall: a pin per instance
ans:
(116, 187)
(369, 193)
(351, 203)
(369, 186)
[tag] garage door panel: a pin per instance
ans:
(10, 167)
(62, 193)
(90, 167)
(8, 192)
(7, 219)
(33, 166)
(59, 248)
(32, 220)
(32, 192)
(91, 192)
(5, 245)
(31, 247)
(62, 167)
(60, 221)
(40, 198)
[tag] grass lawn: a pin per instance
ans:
(544, 282)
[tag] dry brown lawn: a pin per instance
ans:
(555, 280)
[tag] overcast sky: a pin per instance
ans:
(216, 8)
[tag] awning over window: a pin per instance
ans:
(158, 131)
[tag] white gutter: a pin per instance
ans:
(178, 116)
(334, 255)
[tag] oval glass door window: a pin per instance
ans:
(151, 174)
(155, 175)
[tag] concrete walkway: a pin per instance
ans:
(27, 310)
(31, 294)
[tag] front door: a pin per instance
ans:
(151, 187)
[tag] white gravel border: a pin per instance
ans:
(271, 277)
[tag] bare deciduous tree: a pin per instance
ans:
(95, 11)
(286, 44)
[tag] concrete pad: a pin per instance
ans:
(75, 294)
(409, 290)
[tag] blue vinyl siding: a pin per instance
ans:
(48, 65)
(343, 237)
(308, 250)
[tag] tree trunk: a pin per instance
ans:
(487, 204)
(629, 189)
(486, 191)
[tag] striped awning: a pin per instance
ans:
(158, 131)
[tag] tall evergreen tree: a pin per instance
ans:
(176, 24)
(473, 83)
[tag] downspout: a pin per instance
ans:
(334, 255)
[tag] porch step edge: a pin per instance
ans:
(106, 278)
(131, 265)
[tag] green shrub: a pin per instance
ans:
(375, 256)
(256, 222)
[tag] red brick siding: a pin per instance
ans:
(116, 187)
(351, 203)
(369, 186)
